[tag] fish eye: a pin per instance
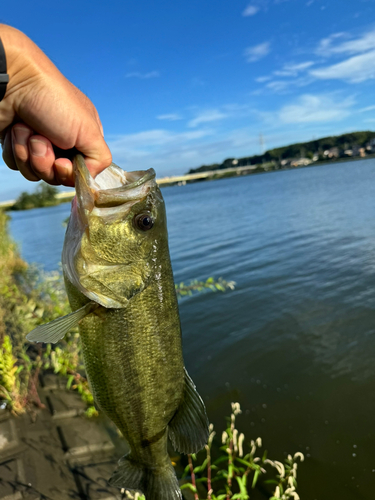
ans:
(144, 222)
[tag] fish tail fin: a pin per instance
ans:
(159, 483)
(188, 429)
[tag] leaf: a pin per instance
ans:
(255, 479)
(201, 468)
(70, 381)
(186, 470)
(242, 484)
(188, 485)
(244, 462)
(25, 357)
(221, 459)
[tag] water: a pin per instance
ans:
(294, 343)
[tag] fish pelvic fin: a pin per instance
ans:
(55, 330)
(158, 483)
(188, 429)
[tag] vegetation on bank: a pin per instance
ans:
(350, 145)
(43, 196)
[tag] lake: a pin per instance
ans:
(294, 343)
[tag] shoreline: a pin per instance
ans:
(211, 175)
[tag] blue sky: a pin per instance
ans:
(181, 84)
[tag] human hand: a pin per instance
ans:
(42, 109)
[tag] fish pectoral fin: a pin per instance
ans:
(55, 330)
(188, 429)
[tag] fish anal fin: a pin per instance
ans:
(55, 330)
(188, 429)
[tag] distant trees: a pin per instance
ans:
(306, 149)
(43, 196)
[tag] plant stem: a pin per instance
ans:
(193, 477)
(209, 487)
(33, 391)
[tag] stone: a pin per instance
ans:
(52, 381)
(84, 439)
(64, 404)
(9, 443)
(93, 481)
(11, 479)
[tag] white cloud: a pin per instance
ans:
(356, 69)
(143, 76)
(281, 86)
(257, 52)
(170, 117)
(293, 69)
(210, 115)
(262, 79)
(311, 108)
(250, 10)
(327, 46)
(360, 64)
(368, 108)
(278, 85)
(150, 139)
(170, 152)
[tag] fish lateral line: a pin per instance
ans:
(154, 439)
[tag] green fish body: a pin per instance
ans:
(120, 286)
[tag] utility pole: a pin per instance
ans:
(261, 142)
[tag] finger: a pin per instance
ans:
(95, 150)
(97, 157)
(42, 158)
(64, 171)
(8, 151)
(98, 122)
(20, 136)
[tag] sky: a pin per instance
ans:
(182, 84)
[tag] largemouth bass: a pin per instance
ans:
(119, 281)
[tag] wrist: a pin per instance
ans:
(21, 65)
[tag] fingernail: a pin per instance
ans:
(38, 148)
(20, 135)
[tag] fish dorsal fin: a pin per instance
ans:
(55, 330)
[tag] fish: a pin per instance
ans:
(119, 281)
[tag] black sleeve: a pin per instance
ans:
(4, 78)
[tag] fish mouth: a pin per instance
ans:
(112, 191)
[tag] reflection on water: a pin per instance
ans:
(295, 341)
